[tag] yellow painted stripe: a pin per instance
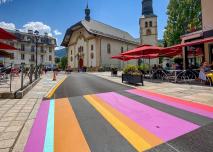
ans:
(50, 94)
(145, 134)
(134, 139)
(68, 134)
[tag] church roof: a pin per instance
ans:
(100, 29)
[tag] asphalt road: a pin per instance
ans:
(78, 84)
(101, 136)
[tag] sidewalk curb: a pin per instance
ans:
(53, 89)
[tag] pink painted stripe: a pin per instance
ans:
(181, 101)
(161, 124)
(167, 101)
(36, 139)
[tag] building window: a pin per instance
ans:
(42, 49)
(148, 32)
(50, 57)
(32, 48)
(42, 58)
(32, 57)
(92, 47)
(92, 55)
(71, 59)
(146, 24)
(50, 49)
(12, 56)
(108, 48)
(122, 49)
(22, 47)
(150, 23)
(22, 56)
(71, 52)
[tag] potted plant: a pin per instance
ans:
(114, 71)
(132, 75)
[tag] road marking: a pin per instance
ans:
(51, 93)
(185, 102)
(36, 139)
(148, 136)
(49, 139)
(184, 105)
(138, 142)
(68, 134)
(163, 125)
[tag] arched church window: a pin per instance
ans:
(148, 32)
(122, 49)
(150, 23)
(146, 24)
(92, 55)
(92, 47)
(108, 48)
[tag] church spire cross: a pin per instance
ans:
(147, 8)
(87, 12)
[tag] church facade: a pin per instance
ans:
(91, 43)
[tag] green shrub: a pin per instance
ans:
(144, 67)
(131, 69)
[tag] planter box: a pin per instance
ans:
(133, 79)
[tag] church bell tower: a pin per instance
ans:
(148, 24)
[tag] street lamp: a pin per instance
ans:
(37, 38)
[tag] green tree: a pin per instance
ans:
(184, 16)
(63, 64)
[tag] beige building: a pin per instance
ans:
(26, 45)
(92, 44)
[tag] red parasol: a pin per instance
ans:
(6, 35)
(4, 46)
(125, 57)
(144, 50)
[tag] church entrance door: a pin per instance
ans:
(81, 63)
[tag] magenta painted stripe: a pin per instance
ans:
(171, 103)
(36, 139)
(161, 124)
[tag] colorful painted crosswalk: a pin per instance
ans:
(58, 128)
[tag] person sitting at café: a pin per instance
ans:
(205, 72)
(167, 67)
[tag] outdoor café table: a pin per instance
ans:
(175, 72)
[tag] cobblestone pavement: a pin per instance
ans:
(195, 93)
(17, 115)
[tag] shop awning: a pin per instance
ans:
(192, 43)
(6, 35)
(4, 46)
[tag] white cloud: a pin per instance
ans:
(59, 47)
(56, 32)
(9, 26)
(4, 1)
(39, 26)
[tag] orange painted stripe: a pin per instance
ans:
(146, 135)
(68, 135)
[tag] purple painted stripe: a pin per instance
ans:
(174, 104)
(36, 139)
(161, 124)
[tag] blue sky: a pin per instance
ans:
(55, 16)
